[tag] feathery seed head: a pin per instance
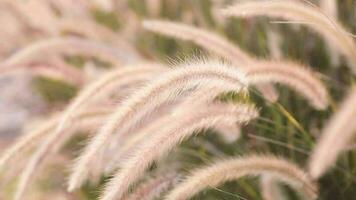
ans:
(293, 75)
(311, 16)
(144, 101)
(164, 138)
(235, 168)
(337, 134)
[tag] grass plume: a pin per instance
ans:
(67, 45)
(146, 100)
(331, 9)
(32, 138)
(207, 39)
(211, 42)
(164, 139)
(54, 70)
(104, 86)
(86, 120)
(293, 75)
(235, 168)
(298, 12)
(269, 188)
(94, 31)
(335, 138)
(203, 97)
(152, 188)
(98, 88)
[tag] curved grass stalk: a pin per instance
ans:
(208, 40)
(37, 15)
(99, 88)
(153, 95)
(104, 86)
(293, 75)
(212, 42)
(274, 42)
(53, 70)
(204, 96)
(235, 168)
(165, 89)
(29, 140)
(166, 137)
(92, 30)
(22, 19)
(152, 188)
(330, 29)
(68, 45)
(44, 152)
(330, 8)
(229, 134)
(336, 136)
(270, 189)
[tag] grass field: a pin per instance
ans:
(304, 49)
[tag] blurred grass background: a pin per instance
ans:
(288, 128)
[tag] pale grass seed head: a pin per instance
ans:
(33, 137)
(153, 187)
(181, 126)
(211, 42)
(203, 97)
(235, 168)
(144, 101)
(335, 137)
(87, 121)
(270, 189)
(108, 84)
(293, 75)
(98, 88)
(330, 8)
(94, 31)
(52, 69)
(297, 12)
(207, 39)
(69, 46)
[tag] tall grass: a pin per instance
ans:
(232, 91)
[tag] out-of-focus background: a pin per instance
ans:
(25, 96)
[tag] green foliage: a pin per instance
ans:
(107, 19)
(54, 91)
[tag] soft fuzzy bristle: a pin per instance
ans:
(293, 75)
(335, 138)
(180, 126)
(103, 86)
(311, 16)
(269, 188)
(211, 42)
(32, 138)
(68, 45)
(106, 85)
(144, 101)
(203, 97)
(236, 168)
(87, 121)
(331, 10)
(54, 70)
(207, 39)
(152, 188)
(95, 31)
